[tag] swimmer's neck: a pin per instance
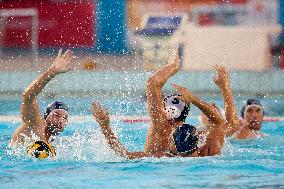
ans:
(175, 124)
(47, 134)
(247, 129)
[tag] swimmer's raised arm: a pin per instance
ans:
(209, 110)
(155, 142)
(222, 80)
(60, 65)
(30, 114)
(29, 109)
(154, 91)
(101, 115)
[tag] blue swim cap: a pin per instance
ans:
(53, 106)
(249, 102)
(185, 139)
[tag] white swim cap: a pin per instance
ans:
(175, 108)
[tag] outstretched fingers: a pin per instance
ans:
(69, 56)
(61, 62)
(219, 70)
(66, 53)
(215, 76)
(100, 113)
(96, 106)
(59, 53)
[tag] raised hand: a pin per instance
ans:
(61, 62)
(100, 114)
(187, 96)
(176, 58)
(221, 78)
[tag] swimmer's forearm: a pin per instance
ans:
(208, 110)
(230, 110)
(136, 155)
(161, 76)
(154, 93)
(37, 86)
(113, 141)
(229, 105)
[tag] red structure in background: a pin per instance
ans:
(206, 20)
(282, 60)
(60, 24)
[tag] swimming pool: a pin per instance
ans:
(84, 160)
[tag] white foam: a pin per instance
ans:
(80, 119)
(125, 118)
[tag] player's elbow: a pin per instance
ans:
(152, 80)
(26, 95)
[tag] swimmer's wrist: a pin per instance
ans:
(51, 71)
(104, 124)
(227, 86)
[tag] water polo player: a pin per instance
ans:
(159, 136)
(56, 116)
(176, 109)
(222, 80)
(166, 115)
(252, 114)
(163, 118)
(183, 140)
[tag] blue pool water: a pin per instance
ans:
(84, 160)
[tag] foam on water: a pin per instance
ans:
(83, 145)
(84, 159)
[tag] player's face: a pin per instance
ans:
(254, 117)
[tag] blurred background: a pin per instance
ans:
(132, 38)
